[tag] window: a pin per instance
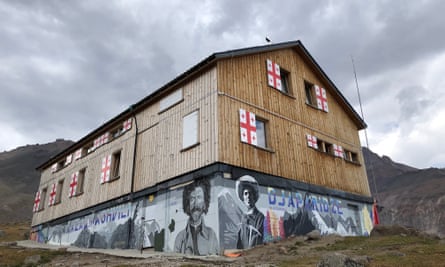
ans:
(320, 145)
(59, 192)
(325, 147)
(170, 100)
(79, 153)
(190, 130)
(310, 97)
(80, 181)
(329, 148)
(116, 132)
(43, 198)
(261, 132)
(90, 147)
(285, 82)
(350, 156)
(115, 165)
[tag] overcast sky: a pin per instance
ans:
(66, 67)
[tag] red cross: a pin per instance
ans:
(37, 202)
(73, 184)
(322, 101)
(312, 141)
(248, 126)
(127, 124)
(52, 195)
(273, 74)
(106, 166)
(96, 142)
(338, 151)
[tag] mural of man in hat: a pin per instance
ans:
(251, 229)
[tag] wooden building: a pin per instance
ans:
(256, 134)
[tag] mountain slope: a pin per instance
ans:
(409, 196)
(19, 180)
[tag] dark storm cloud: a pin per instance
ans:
(68, 66)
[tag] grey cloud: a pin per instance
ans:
(414, 101)
(72, 65)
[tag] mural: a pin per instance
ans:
(251, 232)
(186, 219)
(252, 214)
(148, 226)
(109, 228)
(197, 238)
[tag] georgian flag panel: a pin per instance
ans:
(52, 195)
(312, 141)
(322, 100)
(273, 74)
(126, 125)
(247, 127)
(36, 202)
(78, 154)
(338, 151)
(106, 168)
(73, 184)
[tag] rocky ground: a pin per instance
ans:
(387, 246)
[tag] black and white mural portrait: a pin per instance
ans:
(196, 238)
(251, 230)
(250, 214)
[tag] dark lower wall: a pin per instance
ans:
(221, 208)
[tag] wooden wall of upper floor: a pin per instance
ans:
(93, 191)
(160, 153)
(242, 83)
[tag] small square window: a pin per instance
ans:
(59, 192)
(329, 148)
(190, 130)
(115, 165)
(351, 156)
(310, 96)
(285, 81)
(261, 132)
(354, 157)
(320, 145)
(116, 132)
(80, 181)
(43, 198)
(171, 100)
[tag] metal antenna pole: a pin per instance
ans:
(366, 132)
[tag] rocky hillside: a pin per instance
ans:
(409, 196)
(19, 179)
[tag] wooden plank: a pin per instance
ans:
(289, 119)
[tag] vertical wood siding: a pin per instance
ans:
(160, 154)
(242, 83)
(93, 191)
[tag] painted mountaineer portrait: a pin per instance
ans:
(251, 229)
(196, 238)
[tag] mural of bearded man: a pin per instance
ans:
(196, 238)
(251, 229)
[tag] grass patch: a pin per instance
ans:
(16, 256)
(14, 231)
